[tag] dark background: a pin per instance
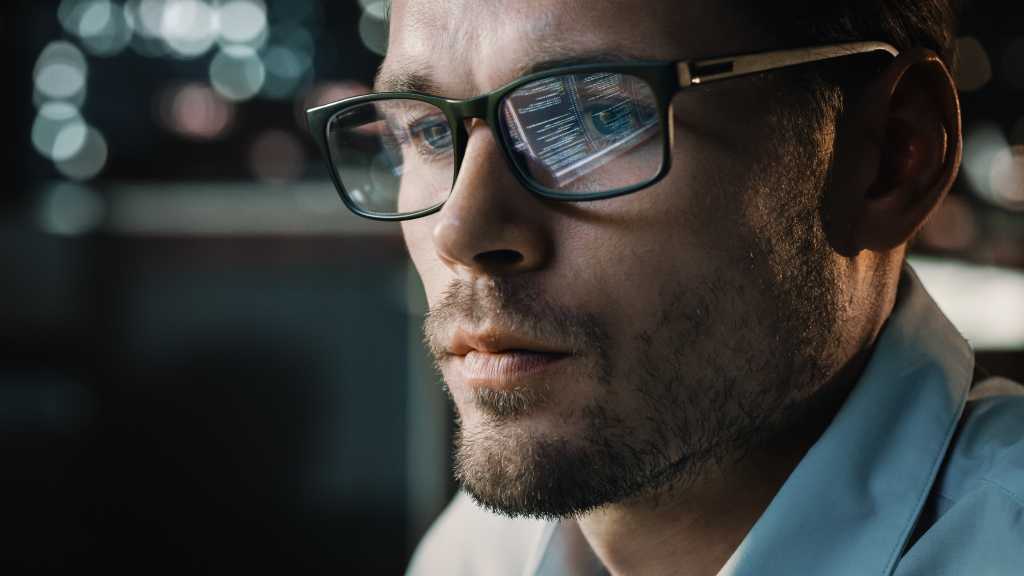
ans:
(207, 365)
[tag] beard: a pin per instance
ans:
(690, 391)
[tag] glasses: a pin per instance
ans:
(573, 133)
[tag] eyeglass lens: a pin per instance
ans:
(584, 133)
(572, 133)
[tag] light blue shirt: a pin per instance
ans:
(921, 472)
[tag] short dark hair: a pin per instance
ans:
(818, 95)
(905, 24)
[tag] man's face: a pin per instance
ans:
(605, 350)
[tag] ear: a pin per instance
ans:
(898, 155)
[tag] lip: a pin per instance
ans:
(501, 360)
(504, 370)
(497, 342)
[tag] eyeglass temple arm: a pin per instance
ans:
(703, 71)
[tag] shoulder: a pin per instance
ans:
(467, 539)
(989, 446)
(974, 522)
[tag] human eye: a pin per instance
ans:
(431, 135)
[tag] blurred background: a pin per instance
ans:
(207, 364)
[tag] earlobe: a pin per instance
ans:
(913, 113)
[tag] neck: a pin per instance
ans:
(693, 529)
(697, 529)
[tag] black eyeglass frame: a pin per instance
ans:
(665, 78)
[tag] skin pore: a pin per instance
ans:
(708, 326)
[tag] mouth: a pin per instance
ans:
(501, 360)
(505, 370)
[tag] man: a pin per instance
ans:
(669, 300)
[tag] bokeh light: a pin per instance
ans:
(237, 73)
(189, 27)
(983, 142)
(96, 16)
(975, 70)
(52, 118)
(294, 36)
(1006, 178)
(374, 8)
(40, 99)
(69, 140)
(60, 72)
(69, 14)
(242, 21)
(373, 31)
(277, 156)
(70, 209)
(195, 111)
(104, 27)
(89, 160)
(288, 59)
(952, 228)
(994, 168)
(148, 46)
(984, 303)
(145, 17)
(286, 68)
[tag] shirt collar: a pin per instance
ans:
(851, 504)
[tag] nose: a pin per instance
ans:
(490, 224)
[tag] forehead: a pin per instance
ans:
(460, 48)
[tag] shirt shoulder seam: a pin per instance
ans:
(1018, 499)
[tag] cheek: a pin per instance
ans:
(418, 236)
(638, 254)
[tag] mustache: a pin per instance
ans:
(514, 305)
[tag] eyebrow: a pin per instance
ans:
(418, 78)
(403, 81)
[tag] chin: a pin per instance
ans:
(559, 459)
